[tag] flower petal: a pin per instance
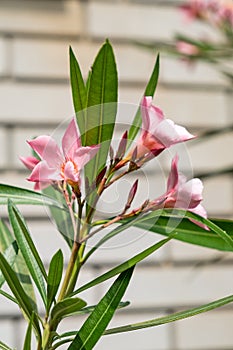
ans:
(172, 181)
(200, 210)
(29, 162)
(190, 194)
(168, 133)
(70, 140)
(151, 115)
(70, 173)
(84, 154)
(47, 148)
(43, 173)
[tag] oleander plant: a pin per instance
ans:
(70, 177)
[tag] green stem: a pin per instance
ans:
(72, 261)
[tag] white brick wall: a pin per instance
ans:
(35, 97)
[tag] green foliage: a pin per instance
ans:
(21, 267)
(96, 323)
(54, 277)
(28, 249)
(23, 196)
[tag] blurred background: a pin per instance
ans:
(35, 97)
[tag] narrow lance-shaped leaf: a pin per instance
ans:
(60, 216)
(28, 250)
(79, 92)
(173, 317)
(6, 237)
(177, 221)
(149, 91)
(19, 266)
(10, 255)
(28, 337)
(18, 292)
(67, 307)
(23, 196)
(4, 346)
(101, 109)
(54, 277)
(124, 266)
(96, 323)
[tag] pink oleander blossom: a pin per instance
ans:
(157, 132)
(184, 194)
(59, 164)
(194, 9)
(187, 49)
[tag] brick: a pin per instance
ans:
(218, 198)
(3, 149)
(211, 330)
(35, 102)
(49, 58)
(161, 22)
(7, 333)
(177, 71)
(42, 17)
(4, 65)
(181, 251)
(193, 108)
(213, 153)
(173, 286)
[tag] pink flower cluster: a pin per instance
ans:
(219, 12)
(55, 165)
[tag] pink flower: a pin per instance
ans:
(186, 48)
(225, 14)
(184, 194)
(60, 165)
(194, 9)
(157, 132)
(29, 162)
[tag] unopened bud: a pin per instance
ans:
(122, 147)
(111, 153)
(100, 176)
(131, 196)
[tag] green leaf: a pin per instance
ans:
(101, 109)
(173, 317)
(167, 222)
(149, 91)
(4, 346)
(10, 255)
(6, 237)
(96, 323)
(60, 216)
(54, 277)
(28, 249)
(124, 266)
(23, 196)
(23, 275)
(17, 290)
(67, 307)
(79, 92)
(8, 296)
(28, 337)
